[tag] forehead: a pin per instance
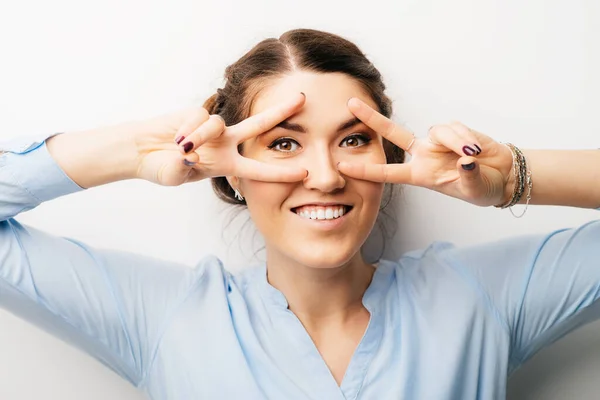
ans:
(326, 93)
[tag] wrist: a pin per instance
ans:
(510, 180)
(509, 187)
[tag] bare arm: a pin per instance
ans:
(97, 156)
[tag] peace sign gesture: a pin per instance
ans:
(453, 159)
(192, 145)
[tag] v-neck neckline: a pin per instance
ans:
(324, 384)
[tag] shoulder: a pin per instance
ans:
(432, 269)
(432, 281)
(210, 270)
(431, 250)
(424, 260)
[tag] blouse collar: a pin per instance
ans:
(379, 286)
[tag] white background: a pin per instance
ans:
(520, 71)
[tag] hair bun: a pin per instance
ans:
(211, 104)
(214, 104)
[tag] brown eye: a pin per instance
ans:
(355, 140)
(284, 145)
(352, 141)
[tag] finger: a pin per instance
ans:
(470, 177)
(384, 173)
(259, 171)
(191, 159)
(469, 135)
(213, 127)
(266, 120)
(449, 138)
(196, 117)
(194, 176)
(380, 124)
(176, 170)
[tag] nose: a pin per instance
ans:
(323, 174)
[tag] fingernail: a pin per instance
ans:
(468, 150)
(478, 149)
(302, 93)
(188, 147)
(188, 163)
(179, 139)
(469, 167)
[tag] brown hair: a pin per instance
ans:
(299, 49)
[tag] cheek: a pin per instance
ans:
(372, 193)
(264, 197)
(378, 155)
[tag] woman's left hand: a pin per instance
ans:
(437, 161)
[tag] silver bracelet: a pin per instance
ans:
(522, 178)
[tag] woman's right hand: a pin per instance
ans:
(212, 147)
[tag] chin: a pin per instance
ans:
(325, 257)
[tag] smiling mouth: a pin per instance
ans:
(322, 213)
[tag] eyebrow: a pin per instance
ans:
(299, 128)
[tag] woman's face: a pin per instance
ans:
(320, 135)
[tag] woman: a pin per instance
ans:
(300, 135)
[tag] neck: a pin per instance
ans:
(318, 295)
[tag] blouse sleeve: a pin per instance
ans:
(540, 286)
(110, 304)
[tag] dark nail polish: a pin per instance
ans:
(188, 147)
(188, 163)
(478, 149)
(179, 139)
(469, 167)
(468, 150)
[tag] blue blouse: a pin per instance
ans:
(446, 322)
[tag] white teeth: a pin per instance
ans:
(321, 213)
